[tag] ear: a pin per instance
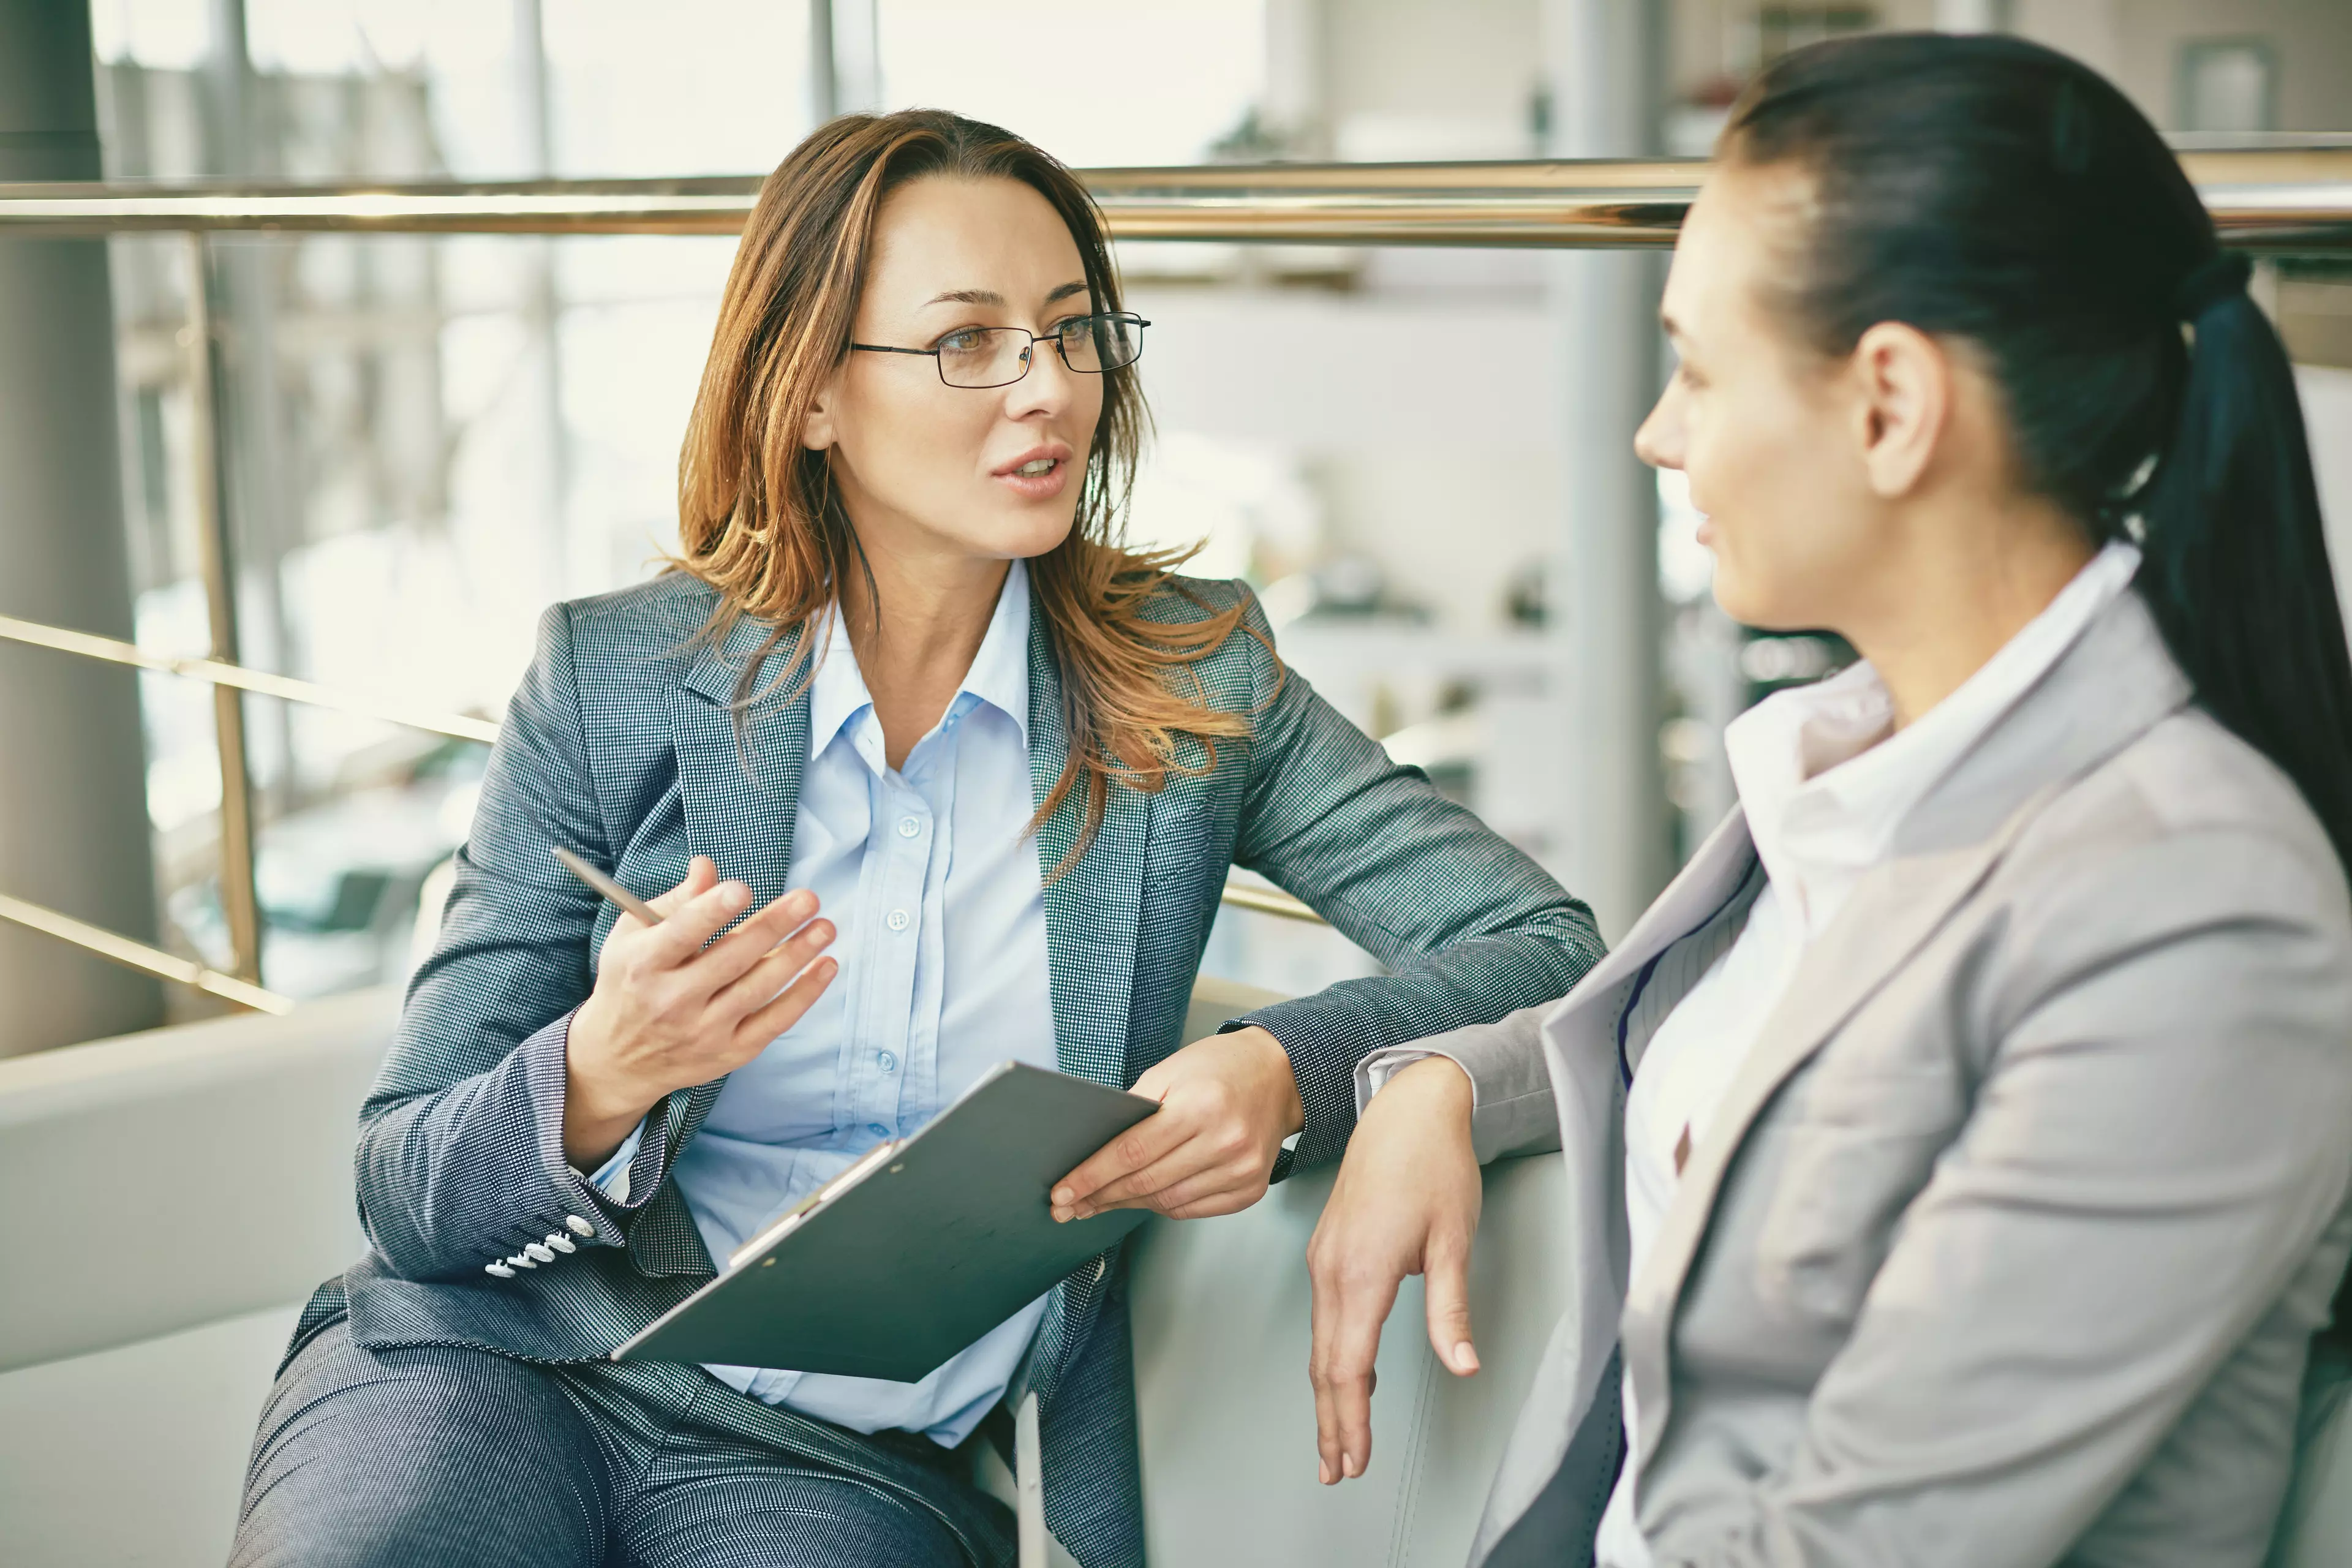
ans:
(819, 431)
(1905, 381)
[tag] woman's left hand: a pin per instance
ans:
(1225, 1105)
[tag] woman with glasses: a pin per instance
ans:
(934, 773)
(1957, 1151)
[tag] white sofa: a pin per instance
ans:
(167, 1200)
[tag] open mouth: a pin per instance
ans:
(1038, 468)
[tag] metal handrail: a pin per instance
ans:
(216, 672)
(2296, 199)
(138, 955)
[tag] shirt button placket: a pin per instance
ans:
(906, 857)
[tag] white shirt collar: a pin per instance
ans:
(999, 675)
(1825, 786)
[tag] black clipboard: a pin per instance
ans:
(918, 1249)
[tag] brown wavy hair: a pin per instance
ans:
(760, 521)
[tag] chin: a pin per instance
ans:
(1746, 601)
(1023, 536)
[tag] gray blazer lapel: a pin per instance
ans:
(1090, 910)
(740, 793)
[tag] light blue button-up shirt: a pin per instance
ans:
(933, 882)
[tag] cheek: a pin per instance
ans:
(1753, 471)
(906, 437)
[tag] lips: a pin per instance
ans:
(1038, 474)
(1036, 462)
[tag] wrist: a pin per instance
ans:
(599, 1109)
(1437, 1084)
(1290, 1110)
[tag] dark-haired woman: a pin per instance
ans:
(1959, 1149)
(950, 778)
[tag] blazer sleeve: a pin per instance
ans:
(1469, 928)
(460, 1158)
(2155, 1170)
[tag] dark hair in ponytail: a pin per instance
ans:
(1994, 189)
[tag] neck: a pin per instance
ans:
(916, 627)
(1956, 590)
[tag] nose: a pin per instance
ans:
(1048, 388)
(1659, 441)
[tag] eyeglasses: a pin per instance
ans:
(976, 358)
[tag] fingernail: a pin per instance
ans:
(1062, 1196)
(1347, 1466)
(1323, 1472)
(735, 895)
(822, 931)
(1465, 1358)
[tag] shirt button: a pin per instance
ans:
(886, 1062)
(909, 826)
(877, 1130)
(897, 920)
(577, 1226)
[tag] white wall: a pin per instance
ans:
(2328, 422)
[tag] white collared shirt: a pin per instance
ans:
(1826, 783)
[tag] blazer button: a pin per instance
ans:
(561, 1242)
(501, 1270)
(540, 1252)
(577, 1226)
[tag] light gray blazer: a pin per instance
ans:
(2006, 1244)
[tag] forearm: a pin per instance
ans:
(452, 1181)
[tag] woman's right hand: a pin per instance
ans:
(1406, 1202)
(669, 1012)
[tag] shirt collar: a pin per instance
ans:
(999, 675)
(1823, 782)
(1000, 670)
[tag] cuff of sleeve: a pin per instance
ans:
(1324, 1042)
(612, 1177)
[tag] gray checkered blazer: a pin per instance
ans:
(621, 745)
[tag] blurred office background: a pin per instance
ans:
(1418, 455)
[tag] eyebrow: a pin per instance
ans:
(990, 297)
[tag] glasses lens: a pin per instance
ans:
(984, 356)
(1098, 343)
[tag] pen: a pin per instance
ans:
(606, 886)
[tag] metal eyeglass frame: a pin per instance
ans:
(1028, 354)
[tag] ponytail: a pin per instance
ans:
(1991, 189)
(2235, 561)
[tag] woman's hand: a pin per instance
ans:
(1225, 1105)
(669, 1012)
(1406, 1202)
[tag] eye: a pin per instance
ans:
(963, 341)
